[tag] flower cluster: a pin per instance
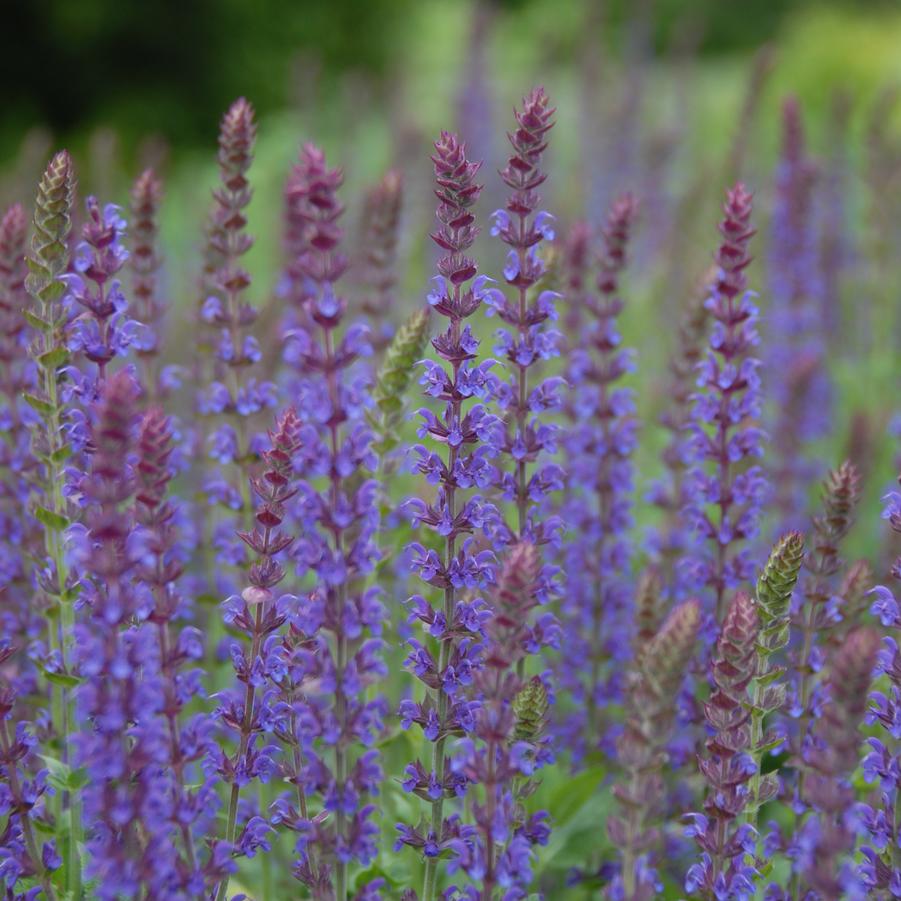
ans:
(671, 540)
(599, 446)
(882, 764)
(159, 743)
(119, 700)
(651, 689)
(796, 341)
(101, 330)
(774, 595)
(17, 377)
(725, 493)
(832, 758)
(149, 308)
(231, 397)
(459, 570)
(727, 767)
(189, 739)
(818, 613)
(22, 855)
(258, 615)
(508, 744)
(338, 515)
(522, 227)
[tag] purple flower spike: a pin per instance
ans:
(122, 745)
(599, 446)
(258, 616)
(727, 767)
(725, 493)
(796, 338)
(454, 513)
(510, 727)
(529, 341)
(338, 641)
(100, 330)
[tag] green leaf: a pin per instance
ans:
(36, 322)
(63, 679)
(58, 773)
(55, 521)
(54, 358)
(37, 404)
(61, 454)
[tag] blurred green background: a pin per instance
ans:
(675, 96)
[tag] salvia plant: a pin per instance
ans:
(314, 584)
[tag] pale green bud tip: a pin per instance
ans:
(666, 655)
(530, 707)
(405, 350)
(52, 224)
(779, 577)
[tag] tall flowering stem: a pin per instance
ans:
(100, 332)
(22, 853)
(508, 744)
(774, 595)
(21, 533)
(522, 227)
(48, 317)
(257, 615)
(232, 397)
(814, 617)
(159, 569)
(796, 346)
(339, 520)
(146, 196)
(599, 448)
(882, 763)
(652, 686)
(832, 758)
(727, 767)
(724, 491)
(457, 625)
(670, 496)
(119, 700)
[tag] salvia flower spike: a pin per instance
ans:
(660, 664)
(774, 594)
(149, 306)
(725, 489)
(509, 742)
(47, 316)
(528, 340)
(23, 854)
(258, 614)
(234, 398)
(22, 534)
(120, 700)
(100, 331)
(722, 839)
(796, 339)
(599, 448)
(831, 759)
(882, 763)
(339, 517)
(813, 617)
(463, 429)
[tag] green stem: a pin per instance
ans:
(246, 725)
(430, 880)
